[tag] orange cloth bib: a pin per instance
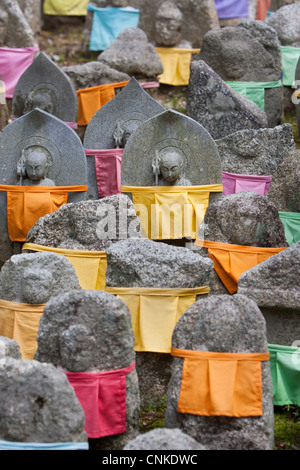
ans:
(90, 100)
(230, 261)
(221, 384)
(26, 204)
(20, 322)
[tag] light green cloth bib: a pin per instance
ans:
(291, 223)
(290, 57)
(254, 91)
(285, 371)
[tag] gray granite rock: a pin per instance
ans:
(4, 114)
(32, 12)
(144, 263)
(90, 331)
(131, 53)
(93, 73)
(121, 115)
(285, 23)
(164, 439)
(218, 108)
(9, 348)
(65, 160)
(295, 99)
(33, 278)
(274, 286)
(38, 404)
(14, 28)
(248, 52)
(88, 225)
(256, 152)
(178, 132)
(44, 85)
(284, 191)
(223, 323)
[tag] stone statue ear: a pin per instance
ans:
(118, 134)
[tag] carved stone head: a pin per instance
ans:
(168, 23)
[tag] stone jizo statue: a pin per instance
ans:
(34, 166)
(168, 168)
(44, 99)
(168, 24)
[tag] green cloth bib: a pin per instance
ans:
(290, 57)
(291, 223)
(285, 372)
(254, 91)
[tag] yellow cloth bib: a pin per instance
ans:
(65, 7)
(90, 266)
(220, 384)
(20, 322)
(155, 312)
(176, 64)
(171, 212)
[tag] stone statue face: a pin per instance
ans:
(171, 166)
(168, 25)
(35, 165)
(36, 285)
(42, 99)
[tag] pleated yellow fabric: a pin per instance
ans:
(171, 212)
(155, 312)
(65, 7)
(26, 204)
(221, 384)
(230, 261)
(176, 64)
(90, 266)
(20, 322)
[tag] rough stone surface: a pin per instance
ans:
(32, 12)
(274, 286)
(248, 52)
(66, 160)
(88, 225)
(144, 263)
(256, 152)
(44, 85)
(179, 132)
(33, 278)
(90, 331)
(296, 99)
(218, 108)
(131, 53)
(14, 28)
(223, 323)
(38, 404)
(284, 191)
(164, 439)
(92, 74)
(9, 348)
(286, 24)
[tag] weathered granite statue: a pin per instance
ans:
(9, 348)
(222, 324)
(90, 332)
(168, 24)
(38, 149)
(38, 406)
(169, 168)
(14, 28)
(45, 86)
(164, 439)
(113, 124)
(274, 286)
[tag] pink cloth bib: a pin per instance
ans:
(108, 170)
(102, 396)
(235, 183)
(13, 63)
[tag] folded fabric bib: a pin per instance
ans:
(230, 260)
(20, 322)
(285, 371)
(220, 384)
(254, 91)
(90, 266)
(155, 312)
(13, 63)
(108, 170)
(290, 56)
(171, 212)
(291, 223)
(26, 204)
(235, 183)
(65, 7)
(232, 9)
(102, 396)
(176, 65)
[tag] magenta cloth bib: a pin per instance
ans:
(235, 183)
(102, 396)
(108, 170)
(13, 63)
